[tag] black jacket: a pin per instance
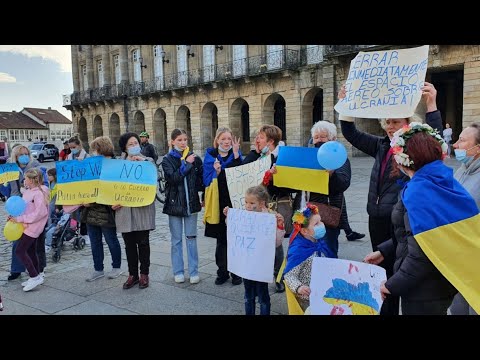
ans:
(415, 277)
(383, 193)
(175, 194)
(148, 150)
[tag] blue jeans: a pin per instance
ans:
(49, 234)
(110, 234)
(16, 265)
(177, 223)
(331, 238)
(253, 289)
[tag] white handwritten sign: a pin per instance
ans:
(385, 83)
(344, 287)
(240, 178)
(251, 244)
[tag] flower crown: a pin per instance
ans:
(401, 136)
(301, 217)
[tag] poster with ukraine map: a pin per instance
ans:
(345, 287)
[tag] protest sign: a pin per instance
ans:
(384, 83)
(345, 287)
(106, 181)
(9, 172)
(251, 244)
(240, 178)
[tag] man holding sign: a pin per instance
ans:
(383, 191)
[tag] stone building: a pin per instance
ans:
(202, 87)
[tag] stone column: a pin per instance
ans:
(123, 61)
(75, 68)
(106, 65)
(89, 61)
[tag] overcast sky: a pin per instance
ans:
(35, 76)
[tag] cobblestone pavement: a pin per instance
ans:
(65, 290)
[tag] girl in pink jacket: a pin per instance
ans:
(33, 219)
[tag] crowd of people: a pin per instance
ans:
(409, 150)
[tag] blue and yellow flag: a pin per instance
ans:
(212, 200)
(298, 168)
(445, 222)
(9, 172)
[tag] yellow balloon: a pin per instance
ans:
(13, 230)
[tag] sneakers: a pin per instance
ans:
(221, 279)
(143, 283)
(116, 272)
(355, 236)
(96, 275)
(194, 279)
(179, 278)
(13, 276)
(47, 249)
(131, 281)
(42, 274)
(236, 280)
(33, 283)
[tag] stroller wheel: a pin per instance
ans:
(76, 245)
(56, 256)
(81, 243)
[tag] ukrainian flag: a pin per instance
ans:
(212, 201)
(298, 168)
(9, 172)
(445, 222)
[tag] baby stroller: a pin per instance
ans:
(67, 229)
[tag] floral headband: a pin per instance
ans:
(401, 136)
(301, 217)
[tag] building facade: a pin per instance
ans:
(157, 88)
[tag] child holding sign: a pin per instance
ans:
(256, 199)
(308, 242)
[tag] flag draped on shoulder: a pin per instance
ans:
(212, 202)
(444, 219)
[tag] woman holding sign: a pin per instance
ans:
(384, 188)
(135, 223)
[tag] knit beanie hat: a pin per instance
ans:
(122, 142)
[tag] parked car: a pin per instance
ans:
(43, 151)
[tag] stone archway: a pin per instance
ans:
(115, 132)
(97, 127)
(208, 125)
(160, 136)
(240, 122)
(274, 113)
(183, 121)
(312, 111)
(138, 122)
(83, 134)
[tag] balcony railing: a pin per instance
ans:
(252, 66)
(338, 50)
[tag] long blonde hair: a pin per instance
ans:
(36, 176)
(16, 153)
(219, 133)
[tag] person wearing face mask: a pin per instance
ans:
(384, 189)
(225, 153)
(135, 223)
(339, 181)
(306, 242)
(422, 287)
(467, 151)
(76, 150)
(21, 156)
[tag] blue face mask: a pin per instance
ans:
(134, 150)
(461, 155)
(75, 151)
(224, 150)
(265, 149)
(319, 231)
(178, 149)
(24, 159)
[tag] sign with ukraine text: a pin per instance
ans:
(384, 83)
(106, 181)
(9, 172)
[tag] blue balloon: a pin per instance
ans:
(15, 206)
(332, 155)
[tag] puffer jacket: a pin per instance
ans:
(98, 215)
